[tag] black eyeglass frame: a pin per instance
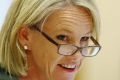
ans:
(78, 48)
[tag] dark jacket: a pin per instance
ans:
(5, 76)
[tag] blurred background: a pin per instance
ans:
(106, 65)
(4, 5)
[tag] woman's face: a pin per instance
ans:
(66, 26)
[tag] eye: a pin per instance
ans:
(62, 37)
(84, 39)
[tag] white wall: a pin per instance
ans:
(4, 4)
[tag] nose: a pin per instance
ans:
(75, 58)
(77, 54)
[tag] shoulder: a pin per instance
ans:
(5, 76)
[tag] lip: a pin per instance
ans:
(66, 69)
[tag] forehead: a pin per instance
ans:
(70, 18)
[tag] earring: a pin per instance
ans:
(25, 47)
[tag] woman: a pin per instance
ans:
(47, 39)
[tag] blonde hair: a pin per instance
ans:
(28, 12)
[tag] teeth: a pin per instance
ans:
(69, 66)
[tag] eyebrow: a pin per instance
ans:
(70, 31)
(65, 30)
(88, 34)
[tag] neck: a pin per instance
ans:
(33, 71)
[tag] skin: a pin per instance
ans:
(72, 22)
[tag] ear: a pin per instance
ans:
(24, 36)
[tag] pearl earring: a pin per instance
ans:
(25, 47)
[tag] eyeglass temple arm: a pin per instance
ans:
(95, 42)
(47, 37)
(50, 39)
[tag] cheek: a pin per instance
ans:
(38, 55)
(52, 56)
(44, 54)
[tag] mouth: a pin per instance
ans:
(68, 67)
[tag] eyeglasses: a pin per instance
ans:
(89, 49)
